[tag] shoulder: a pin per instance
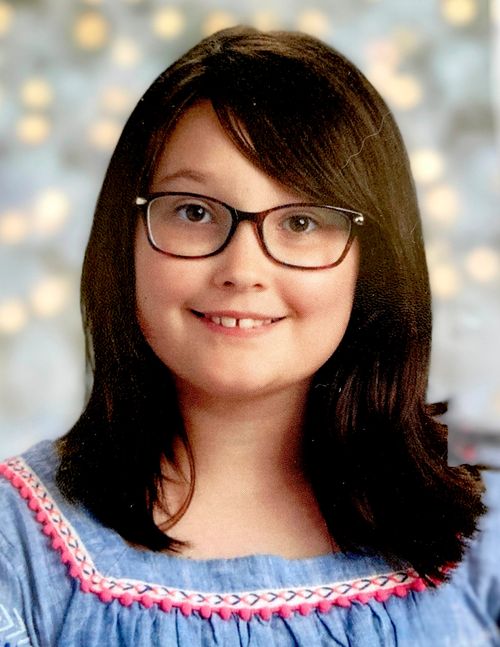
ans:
(32, 578)
(27, 491)
(491, 480)
(482, 560)
(486, 544)
(20, 478)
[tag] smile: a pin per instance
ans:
(246, 323)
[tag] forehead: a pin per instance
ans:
(199, 156)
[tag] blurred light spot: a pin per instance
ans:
(49, 296)
(104, 134)
(13, 316)
(218, 20)
(403, 91)
(33, 129)
(483, 264)
(265, 20)
(459, 12)
(37, 93)
(90, 30)
(125, 52)
(445, 281)
(6, 16)
(313, 21)
(380, 74)
(168, 22)
(382, 52)
(13, 227)
(442, 203)
(495, 11)
(50, 211)
(406, 40)
(427, 164)
(116, 99)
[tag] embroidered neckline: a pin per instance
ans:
(264, 603)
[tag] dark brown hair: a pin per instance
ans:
(373, 450)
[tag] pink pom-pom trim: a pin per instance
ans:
(382, 596)
(85, 586)
(265, 613)
(105, 596)
(147, 601)
(224, 612)
(245, 614)
(205, 612)
(166, 605)
(324, 606)
(126, 599)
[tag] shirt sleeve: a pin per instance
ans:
(485, 557)
(13, 626)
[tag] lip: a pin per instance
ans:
(237, 314)
(206, 319)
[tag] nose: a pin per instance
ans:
(242, 264)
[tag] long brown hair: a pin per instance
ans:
(373, 450)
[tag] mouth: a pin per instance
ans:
(229, 321)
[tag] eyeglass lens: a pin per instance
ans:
(306, 236)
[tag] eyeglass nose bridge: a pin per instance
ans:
(255, 217)
(252, 216)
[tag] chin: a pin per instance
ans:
(238, 385)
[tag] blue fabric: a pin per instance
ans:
(41, 603)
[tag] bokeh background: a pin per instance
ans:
(72, 71)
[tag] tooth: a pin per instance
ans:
(216, 320)
(246, 323)
(228, 322)
(258, 322)
(267, 321)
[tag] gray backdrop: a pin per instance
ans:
(72, 71)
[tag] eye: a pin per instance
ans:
(299, 223)
(194, 213)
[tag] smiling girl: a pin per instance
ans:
(256, 463)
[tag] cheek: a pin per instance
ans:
(324, 308)
(328, 295)
(154, 287)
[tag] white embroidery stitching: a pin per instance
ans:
(16, 623)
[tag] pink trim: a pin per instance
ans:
(284, 602)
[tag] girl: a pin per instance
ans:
(256, 463)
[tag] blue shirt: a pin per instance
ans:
(67, 580)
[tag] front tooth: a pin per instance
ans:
(246, 323)
(228, 322)
(216, 320)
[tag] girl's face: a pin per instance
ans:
(293, 319)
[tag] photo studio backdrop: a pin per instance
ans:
(70, 73)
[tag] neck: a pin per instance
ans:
(250, 494)
(250, 443)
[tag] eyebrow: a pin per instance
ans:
(184, 174)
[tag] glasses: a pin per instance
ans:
(301, 235)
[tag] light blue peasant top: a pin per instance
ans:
(67, 580)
